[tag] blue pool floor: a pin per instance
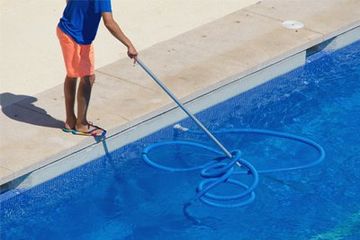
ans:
(120, 197)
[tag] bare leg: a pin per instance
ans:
(69, 92)
(83, 99)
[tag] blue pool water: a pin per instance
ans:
(120, 197)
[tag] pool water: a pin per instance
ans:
(121, 197)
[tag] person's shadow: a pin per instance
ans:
(21, 108)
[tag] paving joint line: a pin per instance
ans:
(122, 79)
(281, 20)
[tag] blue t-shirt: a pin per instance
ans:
(81, 19)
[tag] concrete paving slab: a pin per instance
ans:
(165, 58)
(241, 26)
(50, 106)
(269, 41)
(322, 16)
(29, 134)
(186, 63)
(115, 97)
(5, 171)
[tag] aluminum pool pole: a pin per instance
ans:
(173, 97)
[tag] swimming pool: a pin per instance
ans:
(120, 197)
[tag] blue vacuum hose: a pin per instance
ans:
(222, 169)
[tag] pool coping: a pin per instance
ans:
(168, 114)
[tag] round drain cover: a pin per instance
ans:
(292, 24)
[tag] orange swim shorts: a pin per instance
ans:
(79, 59)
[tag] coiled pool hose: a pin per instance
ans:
(223, 168)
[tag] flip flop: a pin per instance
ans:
(91, 132)
(68, 130)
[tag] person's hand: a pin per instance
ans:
(132, 53)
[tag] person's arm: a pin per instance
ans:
(116, 31)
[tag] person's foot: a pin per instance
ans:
(69, 125)
(67, 128)
(89, 130)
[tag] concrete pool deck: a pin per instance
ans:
(192, 65)
(145, 22)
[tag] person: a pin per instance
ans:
(76, 31)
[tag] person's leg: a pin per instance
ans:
(83, 99)
(69, 93)
(86, 69)
(69, 49)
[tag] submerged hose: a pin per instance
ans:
(222, 169)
